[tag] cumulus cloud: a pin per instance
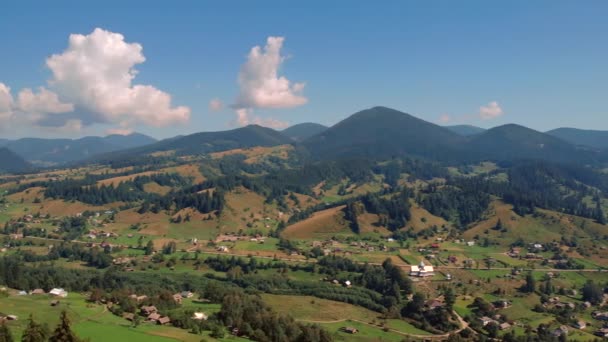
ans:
(260, 85)
(244, 117)
(119, 131)
(6, 104)
(96, 74)
(215, 105)
(45, 101)
(490, 111)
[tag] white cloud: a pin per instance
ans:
(96, 72)
(259, 83)
(6, 104)
(119, 131)
(245, 117)
(445, 118)
(215, 105)
(490, 111)
(242, 117)
(45, 101)
(270, 122)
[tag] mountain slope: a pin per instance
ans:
(382, 132)
(584, 137)
(514, 142)
(303, 131)
(207, 142)
(465, 130)
(11, 162)
(58, 151)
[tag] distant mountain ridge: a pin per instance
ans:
(513, 142)
(46, 152)
(208, 142)
(466, 130)
(11, 162)
(303, 131)
(383, 133)
(583, 137)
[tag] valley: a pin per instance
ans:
(355, 232)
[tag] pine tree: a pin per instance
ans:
(5, 334)
(63, 332)
(35, 332)
(149, 248)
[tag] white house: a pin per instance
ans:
(58, 292)
(422, 270)
(200, 316)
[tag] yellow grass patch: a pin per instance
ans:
(254, 154)
(63, 208)
(187, 170)
(28, 195)
(322, 222)
(117, 180)
(154, 188)
(419, 215)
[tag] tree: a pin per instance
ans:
(149, 248)
(450, 298)
(35, 332)
(63, 331)
(5, 334)
(530, 285)
(592, 293)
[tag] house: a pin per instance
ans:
(601, 332)
(12, 317)
(422, 270)
(128, 316)
(562, 330)
(154, 317)
(37, 292)
(434, 304)
(138, 298)
(470, 243)
(579, 325)
(187, 294)
(177, 298)
(602, 316)
(501, 304)
(347, 283)
(163, 320)
(200, 316)
(350, 330)
(58, 292)
(54, 302)
(147, 310)
(485, 320)
(223, 249)
(504, 326)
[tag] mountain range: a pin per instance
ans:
(303, 131)
(465, 130)
(11, 162)
(49, 152)
(378, 133)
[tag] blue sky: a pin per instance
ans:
(543, 64)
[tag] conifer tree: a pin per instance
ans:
(5, 334)
(35, 332)
(63, 332)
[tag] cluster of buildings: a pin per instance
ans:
(151, 313)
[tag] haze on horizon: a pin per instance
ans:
(170, 70)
